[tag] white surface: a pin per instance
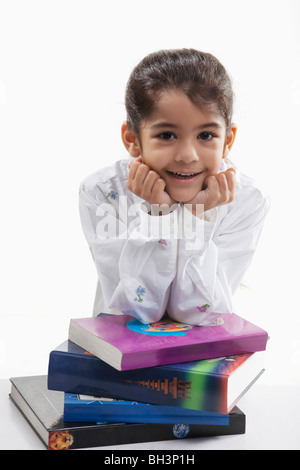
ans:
(272, 422)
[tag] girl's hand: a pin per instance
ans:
(147, 184)
(219, 190)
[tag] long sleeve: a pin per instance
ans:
(212, 264)
(176, 263)
(136, 265)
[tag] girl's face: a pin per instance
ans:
(183, 143)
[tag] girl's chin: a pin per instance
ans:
(182, 196)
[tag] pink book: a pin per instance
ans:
(125, 343)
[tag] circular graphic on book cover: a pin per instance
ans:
(181, 430)
(160, 328)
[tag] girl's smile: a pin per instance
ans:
(183, 178)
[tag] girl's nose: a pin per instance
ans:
(186, 153)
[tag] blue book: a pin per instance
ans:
(213, 385)
(91, 409)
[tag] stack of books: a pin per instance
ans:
(118, 381)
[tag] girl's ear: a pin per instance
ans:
(130, 141)
(229, 141)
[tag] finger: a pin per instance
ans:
(133, 167)
(136, 176)
(139, 172)
(150, 180)
(157, 190)
(231, 182)
(223, 187)
(142, 173)
(210, 183)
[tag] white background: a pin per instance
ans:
(63, 70)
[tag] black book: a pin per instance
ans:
(43, 409)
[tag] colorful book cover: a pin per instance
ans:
(125, 343)
(208, 385)
(91, 409)
(43, 409)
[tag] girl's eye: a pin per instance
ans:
(206, 136)
(166, 135)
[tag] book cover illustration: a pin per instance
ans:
(125, 343)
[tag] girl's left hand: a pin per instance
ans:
(219, 190)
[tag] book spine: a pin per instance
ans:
(88, 375)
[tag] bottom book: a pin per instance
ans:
(43, 409)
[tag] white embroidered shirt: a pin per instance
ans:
(176, 263)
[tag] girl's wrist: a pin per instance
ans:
(161, 209)
(196, 209)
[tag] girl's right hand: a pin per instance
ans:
(147, 184)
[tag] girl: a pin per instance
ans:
(196, 221)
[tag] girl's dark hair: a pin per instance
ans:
(198, 74)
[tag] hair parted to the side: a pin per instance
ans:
(198, 74)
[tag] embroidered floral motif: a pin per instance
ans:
(163, 242)
(216, 322)
(204, 308)
(112, 195)
(140, 294)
